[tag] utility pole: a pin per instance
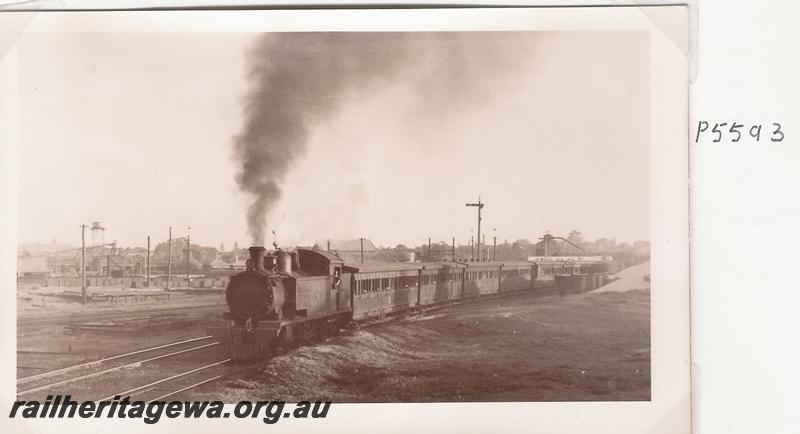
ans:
(479, 205)
(83, 265)
(362, 249)
(546, 243)
(430, 253)
(148, 261)
(454, 249)
(472, 247)
(169, 258)
(484, 257)
(188, 252)
(494, 246)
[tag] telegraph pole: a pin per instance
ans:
(148, 261)
(479, 205)
(472, 247)
(188, 252)
(454, 249)
(362, 249)
(494, 246)
(169, 258)
(83, 264)
(482, 257)
(430, 253)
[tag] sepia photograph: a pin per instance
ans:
(351, 214)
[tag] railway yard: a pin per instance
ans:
(527, 347)
(117, 347)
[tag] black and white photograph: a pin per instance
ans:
(353, 207)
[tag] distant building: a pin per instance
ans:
(219, 264)
(32, 266)
(575, 237)
(349, 250)
(117, 265)
(238, 264)
(568, 259)
(555, 247)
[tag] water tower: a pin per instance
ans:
(98, 234)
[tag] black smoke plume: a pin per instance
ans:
(298, 79)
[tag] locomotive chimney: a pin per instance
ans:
(284, 262)
(257, 258)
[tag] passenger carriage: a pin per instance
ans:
(382, 289)
(440, 282)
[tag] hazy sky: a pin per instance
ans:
(136, 131)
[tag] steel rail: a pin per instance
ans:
(183, 389)
(208, 380)
(117, 368)
(164, 380)
(104, 360)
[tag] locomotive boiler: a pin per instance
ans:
(259, 293)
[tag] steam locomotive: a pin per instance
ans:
(284, 297)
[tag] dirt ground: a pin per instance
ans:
(586, 347)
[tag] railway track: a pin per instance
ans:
(168, 376)
(91, 377)
(170, 387)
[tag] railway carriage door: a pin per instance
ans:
(335, 285)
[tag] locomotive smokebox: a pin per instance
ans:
(256, 294)
(284, 262)
(257, 258)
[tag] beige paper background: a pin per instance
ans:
(669, 410)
